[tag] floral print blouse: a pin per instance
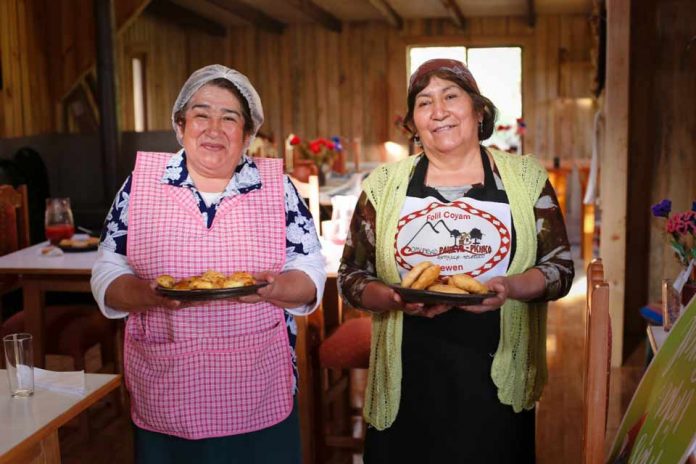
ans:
(301, 237)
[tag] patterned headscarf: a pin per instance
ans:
(454, 66)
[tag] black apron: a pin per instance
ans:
(449, 410)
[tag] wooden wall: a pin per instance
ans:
(170, 54)
(46, 46)
(25, 103)
(312, 82)
(649, 152)
(672, 123)
(318, 83)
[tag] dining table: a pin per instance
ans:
(29, 426)
(40, 273)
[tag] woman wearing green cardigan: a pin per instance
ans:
(455, 384)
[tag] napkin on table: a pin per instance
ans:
(72, 383)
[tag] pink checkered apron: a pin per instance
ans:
(221, 367)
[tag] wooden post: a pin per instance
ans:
(614, 182)
(106, 84)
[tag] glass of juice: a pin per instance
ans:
(59, 220)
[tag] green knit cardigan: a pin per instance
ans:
(519, 365)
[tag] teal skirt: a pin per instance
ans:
(279, 444)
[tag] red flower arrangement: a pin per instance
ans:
(320, 150)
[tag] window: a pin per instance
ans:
(498, 73)
(139, 116)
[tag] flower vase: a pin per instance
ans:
(322, 175)
(302, 169)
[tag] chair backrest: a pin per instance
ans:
(14, 218)
(595, 274)
(597, 365)
(310, 191)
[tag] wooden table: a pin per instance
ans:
(29, 426)
(40, 274)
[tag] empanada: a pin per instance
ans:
(414, 273)
(165, 281)
(212, 276)
(468, 283)
(443, 288)
(427, 277)
(197, 284)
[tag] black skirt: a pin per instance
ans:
(449, 410)
(278, 444)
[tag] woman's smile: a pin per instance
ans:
(213, 134)
(212, 146)
(443, 128)
(445, 118)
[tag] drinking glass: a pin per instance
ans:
(59, 220)
(19, 359)
(671, 304)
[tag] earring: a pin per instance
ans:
(417, 141)
(480, 131)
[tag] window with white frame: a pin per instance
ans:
(139, 114)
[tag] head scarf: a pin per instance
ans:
(454, 66)
(216, 71)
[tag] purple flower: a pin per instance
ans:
(337, 143)
(662, 208)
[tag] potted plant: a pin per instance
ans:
(319, 152)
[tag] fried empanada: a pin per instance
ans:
(212, 276)
(427, 277)
(199, 284)
(165, 281)
(184, 284)
(442, 288)
(468, 283)
(238, 279)
(414, 273)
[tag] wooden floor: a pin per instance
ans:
(559, 414)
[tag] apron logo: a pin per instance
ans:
(457, 236)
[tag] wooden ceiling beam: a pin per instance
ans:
(389, 13)
(454, 12)
(184, 17)
(250, 14)
(318, 14)
(531, 13)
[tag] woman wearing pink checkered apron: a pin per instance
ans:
(211, 381)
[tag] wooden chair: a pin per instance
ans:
(310, 191)
(343, 358)
(14, 230)
(597, 365)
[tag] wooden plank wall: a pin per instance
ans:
(673, 120)
(25, 102)
(170, 55)
(46, 46)
(318, 83)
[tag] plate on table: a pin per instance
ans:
(210, 293)
(78, 245)
(411, 295)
